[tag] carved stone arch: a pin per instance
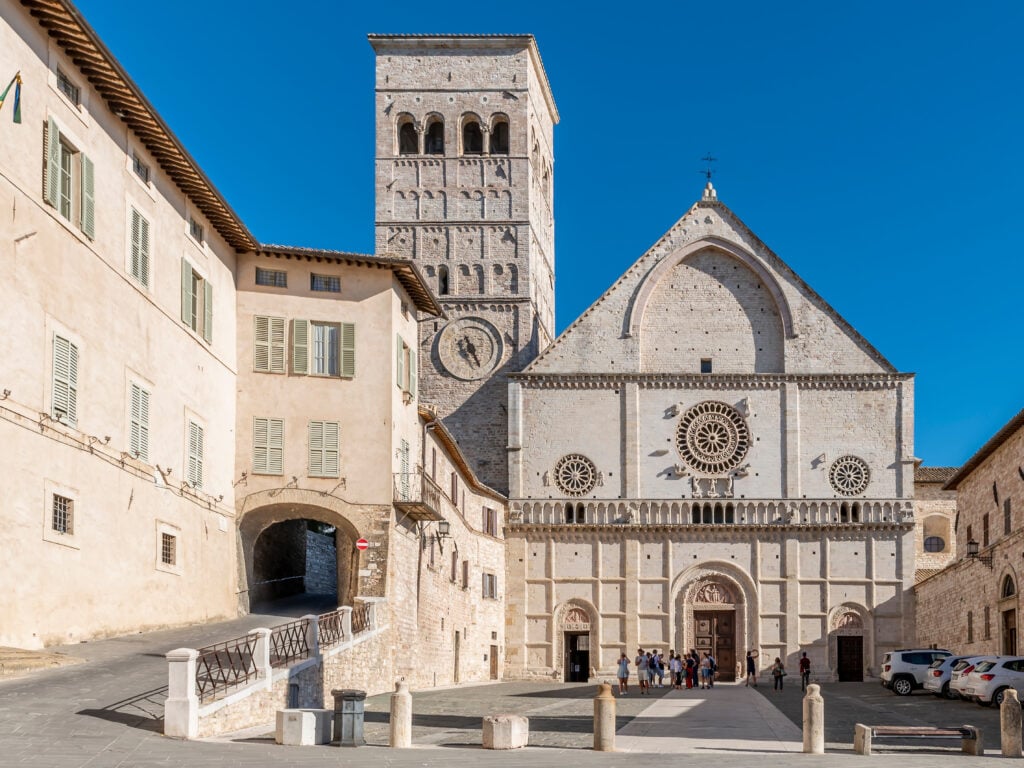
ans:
(565, 618)
(635, 315)
(846, 620)
(703, 580)
(1008, 609)
(406, 138)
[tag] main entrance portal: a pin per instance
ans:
(715, 633)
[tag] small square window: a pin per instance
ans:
(66, 86)
(140, 168)
(329, 283)
(275, 278)
(168, 549)
(705, 365)
(63, 515)
(195, 229)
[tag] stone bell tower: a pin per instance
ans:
(464, 185)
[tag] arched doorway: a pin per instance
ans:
(847, 640)
(711, 605)
(1008, 615)
(297, 554)
(575, 630)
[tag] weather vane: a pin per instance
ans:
(707, 172)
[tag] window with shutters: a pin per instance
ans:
(329, 283)
(490, 586)
(984, 530)
(68, 180)
(268, 446)
(138, 423)
(455, 567)
(465, 574)
(403, 469)
(490, 521)
(268, 344)
(1007, 517)
(196, 301)
(275, 278)
(194, 463)
(64, 396)
(138, 262)
(455, 489)
(323, 349)
(405, 369)
(324, 449)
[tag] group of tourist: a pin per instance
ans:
(690, 670)
(693, 670)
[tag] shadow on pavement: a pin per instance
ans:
(144, 711)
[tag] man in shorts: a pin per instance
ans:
(643, 672)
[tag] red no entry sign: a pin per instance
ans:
(362, 544)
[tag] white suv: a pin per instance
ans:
(904, 670)
(991, 678)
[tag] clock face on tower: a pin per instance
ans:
(469, 348)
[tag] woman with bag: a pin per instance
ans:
(778, 672)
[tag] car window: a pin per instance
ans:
(984, 666)
(1016, 665)
(918, 657)
(940, 655)
(962, 664)
(936, 664)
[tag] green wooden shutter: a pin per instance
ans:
(195, 455)
(300, 346)
(275, 447)
(259, 446)
(403, 468)
(186, 292)
(261, 344)
(412, 373)
(277, 350)
(348, 349)
(138, 439)
(331, 449)
(51, 177)
(144, 250)
(207, 312)
(64, 405)
(399, 363)
(88, 198)
(316, 448)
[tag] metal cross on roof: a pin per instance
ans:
(707, 172)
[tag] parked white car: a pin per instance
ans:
(903, 671)
(958, 675)
(991, 678)
(937, 678)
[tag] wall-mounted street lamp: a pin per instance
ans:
(973, 553)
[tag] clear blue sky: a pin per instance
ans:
(877, 148)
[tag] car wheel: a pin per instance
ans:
(948, 692)
(997, 697)
(902, 686)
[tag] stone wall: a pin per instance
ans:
(321, 564)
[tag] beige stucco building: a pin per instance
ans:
(972, 605)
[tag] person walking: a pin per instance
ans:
(714, 670)
(643, 672)
(805, 671)
(751, 670)
(659, 667)
(689, 671)
(705, 671)
(676, 668)
(623, 674)
(778, 672)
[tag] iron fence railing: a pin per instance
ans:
(360, 618)
(289, 642)
(224, 666)
(332, 632)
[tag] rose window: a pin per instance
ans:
(849, 475)
(712, 438)
(575, 474)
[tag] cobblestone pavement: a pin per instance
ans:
(847, 704)
(107, 713)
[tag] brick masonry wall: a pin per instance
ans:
(321, 564)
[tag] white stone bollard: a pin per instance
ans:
(814, 721)
(1010, 724)
(181, 710)
(604, 719)
(505, 732)
(401, 717)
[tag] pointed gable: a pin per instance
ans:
(710, 290)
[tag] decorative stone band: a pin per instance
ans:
(723, 513)
(748, 381)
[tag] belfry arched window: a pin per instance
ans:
(1009, 588)
(434, 142)
(472, 138)
(443, 287)
(499, 136)
(408, 141)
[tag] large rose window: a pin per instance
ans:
(712, 438)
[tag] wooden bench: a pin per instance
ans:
(969, 736)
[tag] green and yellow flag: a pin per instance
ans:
(16, 82)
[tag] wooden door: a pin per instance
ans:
(850, 652)
(577, 658)
(715, 633)
(1010, 633)
(455, 673)
(494, 662)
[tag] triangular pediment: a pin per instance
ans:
(709, 290)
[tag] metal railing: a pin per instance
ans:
(331, 627)
(418, 495)
(289, 642)
(224, 666)
(360, 618)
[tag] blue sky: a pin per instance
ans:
(875, 147)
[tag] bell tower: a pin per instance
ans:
(464, 180)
